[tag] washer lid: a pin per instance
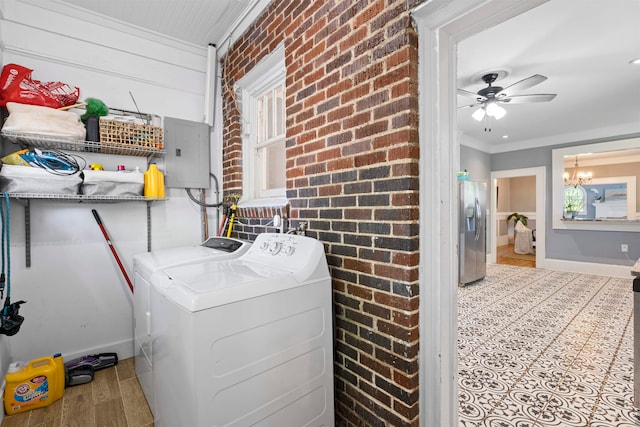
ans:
(216, 248)
(205, 285)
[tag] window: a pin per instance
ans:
(575, 199)
(269, 146)
(263, 110)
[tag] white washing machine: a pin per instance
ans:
(144, 265)
(245, 341)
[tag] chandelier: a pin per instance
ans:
(578, 178)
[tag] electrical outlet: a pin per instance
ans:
(624, 248)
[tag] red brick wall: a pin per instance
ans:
(352, 175)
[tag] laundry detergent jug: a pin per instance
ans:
(153, 182)
(34, 385)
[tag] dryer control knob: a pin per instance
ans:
(275, 247)
(264, 246)
(289, 250)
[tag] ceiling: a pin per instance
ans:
(195, 21)
(582, 46)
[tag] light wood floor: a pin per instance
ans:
(505, 255)
(113, 399)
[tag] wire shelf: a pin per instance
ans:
(46, 142)
(84, 198)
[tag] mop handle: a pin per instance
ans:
(113, 249)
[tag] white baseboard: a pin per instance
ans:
(502, 240)
(613, 270)
(124, 349)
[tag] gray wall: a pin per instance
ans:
(477, 163)
(579, 245)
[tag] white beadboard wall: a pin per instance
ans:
(77, 301)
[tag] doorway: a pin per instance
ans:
(515, 224)
(515, 221)
(536, 176)
(441, 25)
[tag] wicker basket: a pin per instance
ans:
(123, 135)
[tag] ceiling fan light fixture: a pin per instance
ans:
(495, 111)
(490, 97)
(478, 114)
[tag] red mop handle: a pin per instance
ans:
(113, 249)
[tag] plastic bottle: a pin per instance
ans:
(153, 182)
(33, 385)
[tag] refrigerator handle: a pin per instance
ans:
(476, 218)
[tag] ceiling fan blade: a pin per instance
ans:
(468, 94)
(522, 85)
(521, 99)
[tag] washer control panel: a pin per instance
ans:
(291, 248)
(300, 255)
(278, 244)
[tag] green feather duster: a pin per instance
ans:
(94, 107)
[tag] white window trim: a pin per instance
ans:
(265, 75)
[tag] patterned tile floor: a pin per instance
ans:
(546, 348)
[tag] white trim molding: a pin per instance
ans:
(557, 205)
(614, 270)
(441, 25)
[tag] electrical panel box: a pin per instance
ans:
(188, 150)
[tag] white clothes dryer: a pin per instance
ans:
(245, 341)
(144, 265)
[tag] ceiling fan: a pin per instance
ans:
(491, 96)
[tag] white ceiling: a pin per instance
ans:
(582, 46)
(195, 21)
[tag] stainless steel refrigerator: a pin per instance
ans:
(472, 244)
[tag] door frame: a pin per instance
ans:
(540, 175)
(441, 24)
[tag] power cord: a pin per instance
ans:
(55, 162)
(199, 203)
(10, 319)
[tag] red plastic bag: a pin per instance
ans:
(16, 85)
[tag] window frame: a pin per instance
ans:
(267, 75)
